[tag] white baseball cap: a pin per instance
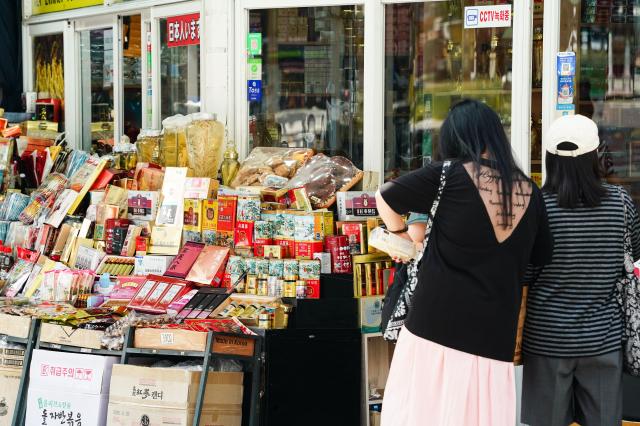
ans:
(577, 129)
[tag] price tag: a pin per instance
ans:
(166, 338)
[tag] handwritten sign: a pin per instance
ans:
(183, 30)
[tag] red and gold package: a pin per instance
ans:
(243, 234)
(305, 249)
(209, 266)
(227, 205)
(288, 247)
(313, 289)
(338, 246)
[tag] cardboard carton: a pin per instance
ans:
(70, 336)
(50, 406)
(9, 382)
(170, 339)
(15, 326)
(134, 414)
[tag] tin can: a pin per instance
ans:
(265, 320)
(252, 284)
(238, 311)
(301, 289)
(289, 286)
(251, 309)
(258, 312)
(272, 284)
(263, 285)
(279, 288)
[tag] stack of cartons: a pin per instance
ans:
(68, 388)
(9, 383)
(167, 396)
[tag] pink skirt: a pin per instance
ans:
(432, 385)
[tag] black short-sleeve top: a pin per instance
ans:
(469, 285)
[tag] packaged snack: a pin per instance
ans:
(392, 244)
(323, 176)
(264, 162)
(205, 142)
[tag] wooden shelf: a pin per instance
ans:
(375, 401)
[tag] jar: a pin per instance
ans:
(230, 164)
(148, 146)
(228, 310)
(205, 137)
(173, 152)
(252, 284)
(251, 309)
(301, 289)
(289, 286)
(263, 285)
(272, 284)
(265, 320)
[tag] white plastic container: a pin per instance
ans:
(392, 244)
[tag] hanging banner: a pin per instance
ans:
(48, 6)
(183, 30)
(487, 16)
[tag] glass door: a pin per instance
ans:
(437, 53)
(605, 37)
(97, 88)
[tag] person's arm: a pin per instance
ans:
(391, 219)
(542, 251)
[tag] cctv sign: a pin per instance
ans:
(487, 16)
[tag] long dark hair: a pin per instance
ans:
(576, 181)
(473, 129)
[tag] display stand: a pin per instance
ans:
(376, 360)
(30, 342)
(251, 367)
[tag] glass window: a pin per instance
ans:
(48, 72)
(308, 64)
(431, 62)
(179, 76)
(96, 74)
(132, 75)
(606, 40)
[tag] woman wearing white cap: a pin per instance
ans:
(573, 331)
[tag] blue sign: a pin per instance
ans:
(566, 64)
(565, 90)
(254, 90)
(565, 107)
(471, 17)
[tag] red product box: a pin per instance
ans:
(356, 232)
(209, 267)
(243, 234)
(175, 291)
(288, 247)
(305, 249)
(182, 263)
(125, 289)
(142, 293)
(313, 289)
(227, 206)
(338, 246)
(115, 234)
(258, 246)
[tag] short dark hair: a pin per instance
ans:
(576, 181)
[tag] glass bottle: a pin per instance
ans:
(230, 164)
(537, 57)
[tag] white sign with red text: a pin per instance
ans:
(487, 16)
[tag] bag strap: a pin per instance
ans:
(434, 207)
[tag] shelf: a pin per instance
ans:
(370, 335)
(187, 354)
(74, 349)
(375, 401)
(19, 340)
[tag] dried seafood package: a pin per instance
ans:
(268, 163)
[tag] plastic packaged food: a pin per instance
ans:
(205, 137)
(148, 146)
(323, 176)
(263, 162)
(392, 244)
(173, 151)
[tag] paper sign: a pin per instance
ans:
(254, 44)
(183, 30)
(254, 69)
(254, 90)
(565, 90)
(487, 16)
(566, 64)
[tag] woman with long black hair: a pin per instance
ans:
(453, 364)
(572, 340)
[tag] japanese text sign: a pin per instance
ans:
(183, 30)
(487, 16)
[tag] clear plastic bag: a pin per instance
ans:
(113, 338)
(323, 176)
(265, 161)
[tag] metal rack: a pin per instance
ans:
(251, 367)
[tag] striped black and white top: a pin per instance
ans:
(572, 309)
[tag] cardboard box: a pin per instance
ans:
(65, 335)
(84, 409)
(174, 388)
(136, 414)
(170, 339)
(15, 326)
(356, 205)
(71, 372)
(156, 265)
(9, 383)
(370, 308)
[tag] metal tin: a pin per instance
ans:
(263, 285)
(290, 286)
(238, 311)
(252, 284)
(279, 287)
(301, 289)
(272, 284)
(265, 321)
(251, 309)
